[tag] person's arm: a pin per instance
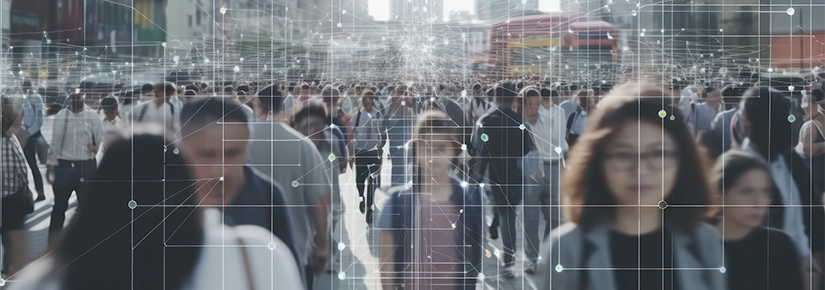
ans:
(717, 121)
(58, 134)
(806, 136)
(97, 129)
(321, 256)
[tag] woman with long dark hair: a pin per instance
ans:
(756, 257)
(431, 232)
(635, 196)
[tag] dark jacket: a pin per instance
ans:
(501, 142)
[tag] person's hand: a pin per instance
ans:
(320, 259)
(50, 174)
(811, 272)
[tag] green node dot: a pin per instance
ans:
(791, 118)
(662, 113)
(331, 157)
(484, 137)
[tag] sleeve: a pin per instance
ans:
(58, 134)
(315, 178)
(717, 121)
(390, 217)
(97, 129)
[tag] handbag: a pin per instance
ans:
(18, 204)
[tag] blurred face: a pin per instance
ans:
(435, 152)
(367, 102)
(714, 98)
(531, 107)
(111, 115)
(640, 164)
(217, 165)
(313, 128)
(752, 188)
(303, 95)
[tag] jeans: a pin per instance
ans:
(365, 165)
(541, 199)
(31, 157)
(507, 221)
(69, 176)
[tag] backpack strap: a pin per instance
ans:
(143, 112)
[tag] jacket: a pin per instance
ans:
(576, 249)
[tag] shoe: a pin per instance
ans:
(493, 233)
(369, 217)
(530, 267)
(40, 197)
(362, 206)
(508, 270)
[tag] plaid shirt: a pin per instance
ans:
(15, 171)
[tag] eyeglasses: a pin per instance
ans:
(656, 159)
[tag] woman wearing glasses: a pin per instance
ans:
(635, 197)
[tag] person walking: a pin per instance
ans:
(76, 137)
(33, 116)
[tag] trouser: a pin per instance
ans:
(31, 157)
(541, 200)
(507, 221)
(364, 165)
(398, 165)
(69, 176)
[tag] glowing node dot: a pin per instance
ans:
(790, 11)
(662, 204)
(132, 204)
(722, 269)
(488, 254)
(463, 184)
(220, 179)
(331, 157)
(662, 113)
(271, 245)
(461, 210)
(463, 147)
(521, 127)
(341, 246)
(223, 10)
(344, 12)
(484, 137)
(791, 118)
(453, 225)
(342, 276)
(672, 118)
(82, 179)
(558, 150)
(2, 282)
(164, 148)
(176, 151)
(481, 276)
(295, 183)
(559, 268)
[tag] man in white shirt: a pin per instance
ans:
(546, 122)
(160, 110)
(701, 115)
(366, 148)
(33, 121)
(76, 136)
(798, 203)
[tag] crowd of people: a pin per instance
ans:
(203, 185)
